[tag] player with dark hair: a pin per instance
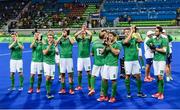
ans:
(84, 61)
(131, 61)
(66, 61)
(37, 61)
(159, 45)
(16, 63)
(110, 70)
(97, 51)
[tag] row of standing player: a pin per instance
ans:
(105, 51)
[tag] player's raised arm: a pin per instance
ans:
(11, 45)
(90, 34)
(127, 39)
(77, 33)
(20, 45)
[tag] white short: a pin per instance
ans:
(110, 72)
(36, 67)
(139, 52)
(66, 64)
(132, 67)
(97, 70)
(16, 65)
(49, 70)
(84, 62)
(159, 67)
(57, 59)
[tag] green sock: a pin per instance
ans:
(114, 88)
(89, 80)
(63, 85)
(127, 82)
(12, 81)
(102, 88)
(105, 88)
(31, 82)
(39, 81)
(21, 79)
(80, 79)
(48, 86)
(161, 86)
(139, 83)
(71, 85)
(92, 82)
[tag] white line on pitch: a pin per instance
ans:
(5, 54)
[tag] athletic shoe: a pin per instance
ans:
(62, 91)
(78, 88)
(20, 89)
(143, 67)
(92, 92)
(156, 95)
(171, 78)
(146, 79)
(30, 90)
(106, 98)
(50, 96)
(151, 78)
(71, 91)
(140, 94)
(89, 88)
(12, 89)
(161, 97)
(101, 98)
(122, 76)
(112, 100)
(167, 78)
(38, 90)
(129, 95)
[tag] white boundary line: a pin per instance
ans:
(5, 54)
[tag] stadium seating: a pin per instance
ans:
(10, 10)
(149, 10)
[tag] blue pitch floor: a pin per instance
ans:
(81, 100)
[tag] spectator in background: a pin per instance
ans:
(115, 22)
(129, 20)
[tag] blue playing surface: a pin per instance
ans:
(80, 100)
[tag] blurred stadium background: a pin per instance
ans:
(24, 16)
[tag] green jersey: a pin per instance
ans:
(131, 50)
(111, 59)
(83, 47)
(16, 51)
(37, 54)
(158, 42)
(49, 58)
(97, 49)
(65, 48)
